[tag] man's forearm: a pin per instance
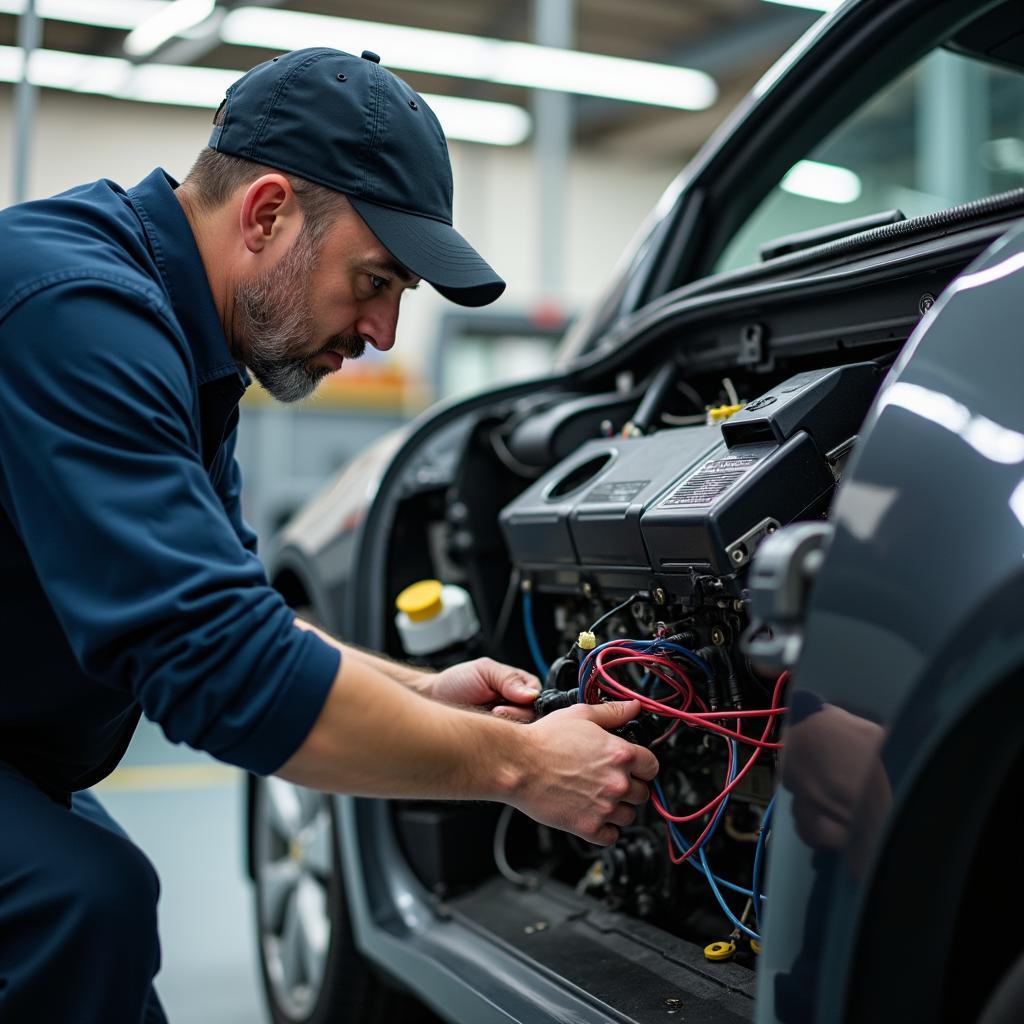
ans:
(375, 738)
(415, 678)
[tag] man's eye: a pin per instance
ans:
(376, 283)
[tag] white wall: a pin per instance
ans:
(79, 138)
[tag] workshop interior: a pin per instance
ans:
(763, 262)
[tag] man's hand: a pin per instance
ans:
(375, 737)
(508, 692)
(584, 780)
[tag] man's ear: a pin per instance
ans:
(269, 212)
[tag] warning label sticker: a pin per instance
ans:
(618, 492)
(712, 479)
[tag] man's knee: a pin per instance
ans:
(113, 893)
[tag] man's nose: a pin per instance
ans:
(378, 328)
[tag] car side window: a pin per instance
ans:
(949, 130)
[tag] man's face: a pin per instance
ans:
(321, 303)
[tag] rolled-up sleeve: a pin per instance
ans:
(137, 553)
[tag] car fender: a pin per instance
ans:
(914, 628)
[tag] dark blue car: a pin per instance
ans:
(778, 473)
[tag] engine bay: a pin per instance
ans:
(606, 542)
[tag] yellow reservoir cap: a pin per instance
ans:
(420, 601)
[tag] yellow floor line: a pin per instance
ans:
(171, 776)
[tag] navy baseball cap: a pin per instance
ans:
(347, 123)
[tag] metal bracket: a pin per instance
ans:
(754, 348)
(742, 549)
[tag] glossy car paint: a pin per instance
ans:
(467, 979)
(915, 625)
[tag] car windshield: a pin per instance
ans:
(949, 130)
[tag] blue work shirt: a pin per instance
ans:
(128, 580)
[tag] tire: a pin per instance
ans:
(312, 972)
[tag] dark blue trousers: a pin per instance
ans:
(78, 937)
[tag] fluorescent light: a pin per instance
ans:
(124, 14)
(810, 5)
(476, 57)
(499, 124)
(12, 62)
(411, 49)
(167, 23)
(121, 79)
(496, 124)
(826, 182)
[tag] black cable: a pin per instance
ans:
(654, 397)
(508, 605)
(508, 460)
(640, 595)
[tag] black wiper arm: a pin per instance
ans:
(828, 233)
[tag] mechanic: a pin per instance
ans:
(130, 583)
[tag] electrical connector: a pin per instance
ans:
(554, 700)
(587, 641)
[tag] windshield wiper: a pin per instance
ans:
(829, 233)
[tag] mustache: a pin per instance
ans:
(349, 346)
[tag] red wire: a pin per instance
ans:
(696, 844)
(602, 680)
(712, 805)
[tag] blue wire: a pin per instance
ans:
(714, 882)
(681, 842)
(531, 636)
(755, 880)
(696, 659)
(642, 646)
(749, 932)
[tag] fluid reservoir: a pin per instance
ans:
(433, 615)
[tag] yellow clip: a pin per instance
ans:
(586, 641)
(756, 946)
(720, 950)
(720, 413)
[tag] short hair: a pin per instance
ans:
(215, 177)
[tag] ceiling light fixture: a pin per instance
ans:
(477, 57)
(404, 47)
(465, 120)
(171, 21)
(827, 182)
(123, 14)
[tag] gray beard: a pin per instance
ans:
(273, 318)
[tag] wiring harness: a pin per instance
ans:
(673, 665)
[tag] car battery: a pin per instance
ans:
(693, 499)
(713, 519)
(586, 511)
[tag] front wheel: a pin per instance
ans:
(312, 972)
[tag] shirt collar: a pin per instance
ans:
(181, 267)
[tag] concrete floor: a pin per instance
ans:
(186, 812)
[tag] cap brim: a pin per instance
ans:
(434, 251)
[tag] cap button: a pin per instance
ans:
(370, 55)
